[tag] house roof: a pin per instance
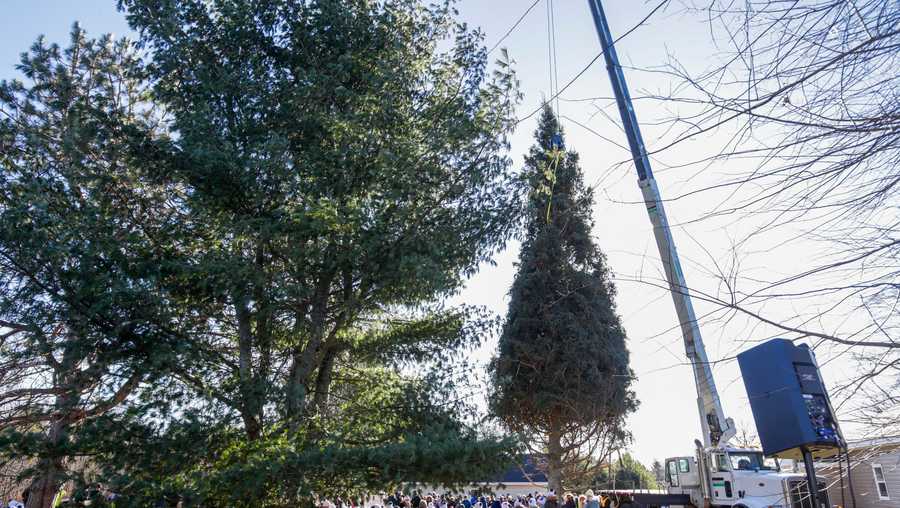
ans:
(885, 441)
(864, 449)
(527, 472)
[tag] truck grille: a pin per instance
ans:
(798, 490)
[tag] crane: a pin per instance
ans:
(717, 428)
(719, 475)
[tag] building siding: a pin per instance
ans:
(864, 482)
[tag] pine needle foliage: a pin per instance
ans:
(256, 268)
(562, 375)
(83, 323)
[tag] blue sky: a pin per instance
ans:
(666, 423)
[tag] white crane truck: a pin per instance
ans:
(717, 474)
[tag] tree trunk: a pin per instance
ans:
(249, 401)
(305, 359)
(49, 478)
(303, 365)
(554, 458)
(50, 470)
(252, 427)
(323, 381)
(45, 486)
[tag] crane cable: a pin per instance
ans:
(584, 69)
(555, 94)
(556, 143)
(554, 61)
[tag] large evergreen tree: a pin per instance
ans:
(331, 170)
(83, 324)
(346, 165)
(562, 376)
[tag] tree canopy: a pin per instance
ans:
(562, 372)
(85, 321)
(261, 219)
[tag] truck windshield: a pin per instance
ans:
(749, 461)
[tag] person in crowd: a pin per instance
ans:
(592, 501)
(570, 501)
(551, 501)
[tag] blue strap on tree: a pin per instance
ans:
(556, 142)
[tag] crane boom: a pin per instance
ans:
(717, 429)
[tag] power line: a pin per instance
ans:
(586, 67)
(589, 64)
(515, 25)
(601, 136)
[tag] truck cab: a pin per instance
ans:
(682, 475)
(738, 477)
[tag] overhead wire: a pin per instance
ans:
(514, 26)
(593, 60)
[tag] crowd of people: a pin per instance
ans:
(434, 500)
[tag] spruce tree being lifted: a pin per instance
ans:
(562, 376)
